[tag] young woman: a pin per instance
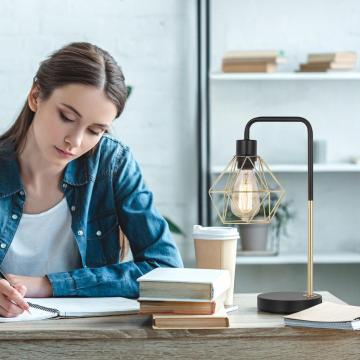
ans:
(67, 187)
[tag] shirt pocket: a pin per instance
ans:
(100, 235)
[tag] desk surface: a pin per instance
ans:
(255, 334)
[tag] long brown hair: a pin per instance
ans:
(78, 62)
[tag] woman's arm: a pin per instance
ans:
(149, 237)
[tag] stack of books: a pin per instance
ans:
(324, 62)
(252, 61)
(185, 298)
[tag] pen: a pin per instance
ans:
(2, 275)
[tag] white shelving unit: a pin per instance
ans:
(351, 75)
(299, 168)
(288, 258)
(329, 100)
(338, 258)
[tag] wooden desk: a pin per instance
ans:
(252, 336)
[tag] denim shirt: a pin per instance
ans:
(104, 190)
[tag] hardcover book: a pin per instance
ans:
(182, 307)
(183, 284)
(216, 321)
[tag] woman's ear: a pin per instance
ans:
(33, 98)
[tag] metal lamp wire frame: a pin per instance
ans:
(266, 209)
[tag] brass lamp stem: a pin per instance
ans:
(310, 253)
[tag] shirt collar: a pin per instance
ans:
(78, 172)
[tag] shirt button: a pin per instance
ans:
(14, 216)
(3, 245)
(73, 208)
(64, 185)
(98, 233)
(22, 193)
(80, 232)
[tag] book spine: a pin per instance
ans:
(256, 67)
(253, 54)
(235, 61)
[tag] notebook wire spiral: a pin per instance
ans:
(44, 308)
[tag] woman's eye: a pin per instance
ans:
(64, 118)
(94, 132)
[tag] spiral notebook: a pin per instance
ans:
(327, 315)
(47, 308)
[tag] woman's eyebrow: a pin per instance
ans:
(105, 126)
(73, 109)
(77, 113)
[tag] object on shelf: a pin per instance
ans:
(252, 61)
(355, 160)
(254, 237)
(327, 62)
(319, 151)
(338, 56)
(264, 239)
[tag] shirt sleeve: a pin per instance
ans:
(149, 237)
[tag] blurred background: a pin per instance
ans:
(156, 42)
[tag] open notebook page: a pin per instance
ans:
(36, 314)
(78, 307)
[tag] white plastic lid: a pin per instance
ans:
(215, 232)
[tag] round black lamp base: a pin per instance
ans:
(286, 302)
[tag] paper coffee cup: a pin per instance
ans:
(215, 248)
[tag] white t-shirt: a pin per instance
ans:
(43, 243)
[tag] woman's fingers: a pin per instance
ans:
(9, 309)
(21, 289)
(12, 295)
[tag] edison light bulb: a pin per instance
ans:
(245, 196)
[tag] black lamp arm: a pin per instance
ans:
(310, 141)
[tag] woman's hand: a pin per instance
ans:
(12, 301)
(35, 286)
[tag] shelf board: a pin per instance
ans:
(350, 75)
(298, 168)
(338, 258)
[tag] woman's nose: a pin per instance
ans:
(74, 139)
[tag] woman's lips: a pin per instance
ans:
(63, 153)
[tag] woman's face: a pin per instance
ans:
(70, 122)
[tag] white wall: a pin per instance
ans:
(333, 108)
(154, 42)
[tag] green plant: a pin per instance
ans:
(279, 223)
(174, 228)
(129, 90)
(281, 218)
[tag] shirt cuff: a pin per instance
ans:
(62, 284)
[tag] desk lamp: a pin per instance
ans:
(247, 192)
